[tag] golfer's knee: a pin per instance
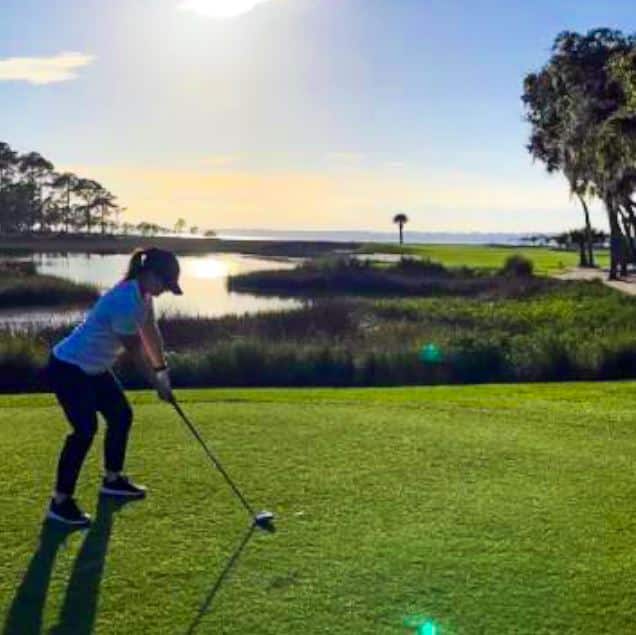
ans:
(126, 418)
(83, 437)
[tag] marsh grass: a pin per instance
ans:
(563, 331)
(22, 286)
(409, 277)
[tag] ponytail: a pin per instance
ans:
(136, 264)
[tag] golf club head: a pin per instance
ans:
(265, 521)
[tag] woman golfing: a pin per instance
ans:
(80, 374)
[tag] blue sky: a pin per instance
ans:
(303, 114)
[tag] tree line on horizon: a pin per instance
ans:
(35, 198)
(582, 109)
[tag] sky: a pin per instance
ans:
(295, 114)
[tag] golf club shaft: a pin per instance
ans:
(214, 460)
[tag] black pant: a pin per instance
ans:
(82, 396)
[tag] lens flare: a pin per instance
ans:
(423, 625)
(431, 354)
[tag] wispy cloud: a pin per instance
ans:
(43, 70)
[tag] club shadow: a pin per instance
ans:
(207, 604)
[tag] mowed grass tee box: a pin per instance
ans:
(489, 509)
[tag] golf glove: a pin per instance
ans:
(164, 388)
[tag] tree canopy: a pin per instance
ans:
(582, 109)
(34, 197)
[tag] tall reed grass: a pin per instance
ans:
(566, 331)
(21, 286)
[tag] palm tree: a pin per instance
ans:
(401, 220)
(180, 226)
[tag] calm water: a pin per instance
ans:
(203, 280)
(410, 237)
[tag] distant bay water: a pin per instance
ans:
(410, 237)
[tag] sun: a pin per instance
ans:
(220, 9)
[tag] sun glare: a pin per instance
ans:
(220, 9)
(207, 268)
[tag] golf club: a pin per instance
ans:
(263, 520)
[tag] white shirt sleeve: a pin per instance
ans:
(127, 317)
(124, 324)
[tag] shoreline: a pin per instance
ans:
(180, 246)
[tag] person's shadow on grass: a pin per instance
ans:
(77, 616)
(25, 614)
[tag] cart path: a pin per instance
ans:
(626, 284)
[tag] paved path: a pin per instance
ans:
(626, 284)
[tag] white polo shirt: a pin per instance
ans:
(94, 345)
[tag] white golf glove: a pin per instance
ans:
(163, 384)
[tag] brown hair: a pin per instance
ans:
(136, 264)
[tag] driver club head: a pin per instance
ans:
(265, 521)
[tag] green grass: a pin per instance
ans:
(546, 261)
(492, 509)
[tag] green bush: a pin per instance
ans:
(21, 364)
(421, 266)
(518, 266)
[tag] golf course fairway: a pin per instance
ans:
(490, 509)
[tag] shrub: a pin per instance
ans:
(518, 266)
(21, 362)
(422, 266)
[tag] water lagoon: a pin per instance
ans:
(203, 279)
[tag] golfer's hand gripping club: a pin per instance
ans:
(163, 386)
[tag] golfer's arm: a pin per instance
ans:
(135, 348)
(152, 340)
